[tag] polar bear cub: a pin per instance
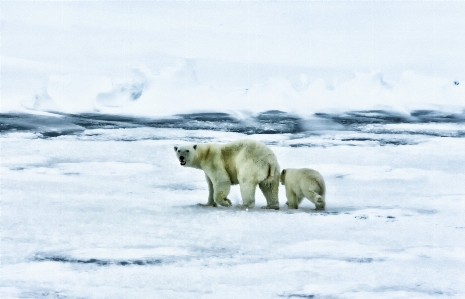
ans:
(303, 182)
(245, 162)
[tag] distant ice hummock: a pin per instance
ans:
(177, 89)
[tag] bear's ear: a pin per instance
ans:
(175, 148)
(195, 146)
(283, 172)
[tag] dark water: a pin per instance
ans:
(268, 122)
(99, 262)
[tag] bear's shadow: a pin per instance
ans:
(283, 209)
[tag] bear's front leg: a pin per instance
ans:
(211, 202)
(221, 191)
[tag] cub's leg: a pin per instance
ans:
(211, 202)
(248, 195)
(292, 200)
(299, 201)
(316, 198)
(270, 191)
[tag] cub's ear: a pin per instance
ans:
(195, 146)
(175, 148)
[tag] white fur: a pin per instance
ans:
(245, 162)
(304, 183)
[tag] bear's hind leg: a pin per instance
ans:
(319, 202)
(316, 198)
(270, 191)
(248, 195)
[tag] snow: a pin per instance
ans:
(163, 58)
(94, 215)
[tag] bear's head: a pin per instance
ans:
(185, 154)
(283, 177)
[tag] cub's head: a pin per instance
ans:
(185, 154)
(283, 177)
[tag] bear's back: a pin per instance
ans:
(296, 176)
(246, 148)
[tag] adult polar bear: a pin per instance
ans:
(245, 162)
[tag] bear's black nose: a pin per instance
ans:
(181, 158)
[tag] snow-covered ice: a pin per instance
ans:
(109, 213)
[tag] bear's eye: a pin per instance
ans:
(187, 151)
(179, 151)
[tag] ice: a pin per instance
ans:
(110, 213)
(435, 129)
(146, 94)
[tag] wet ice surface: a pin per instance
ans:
(105, 211)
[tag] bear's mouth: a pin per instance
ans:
(183, 162)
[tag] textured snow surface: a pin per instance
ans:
(110, 213)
